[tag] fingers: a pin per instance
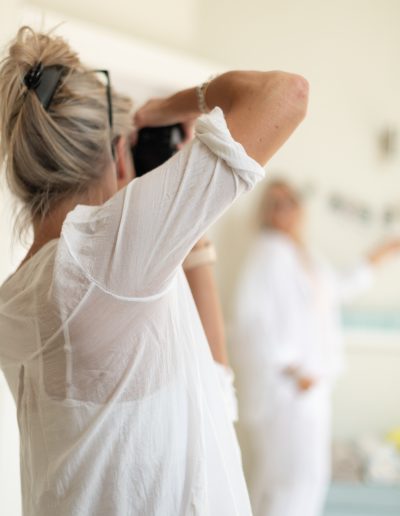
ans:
(305, 383)
(133, 137)
(151, 114)
(188, 131)
(291, 371)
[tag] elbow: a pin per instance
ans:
(301, 90)
(293, 91)
(297, 94)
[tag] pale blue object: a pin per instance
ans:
(363, 500)
(388, 320)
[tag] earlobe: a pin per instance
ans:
(120, 164)
(123, 162)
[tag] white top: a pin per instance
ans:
(119, 406)
(287, 315)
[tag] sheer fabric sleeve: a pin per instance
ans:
(133, 245)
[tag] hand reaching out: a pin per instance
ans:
(384, 251)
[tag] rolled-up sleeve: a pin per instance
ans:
(133, 244)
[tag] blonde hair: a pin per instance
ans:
(266, 199)
(50, 155)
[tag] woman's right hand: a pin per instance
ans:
(303, 382)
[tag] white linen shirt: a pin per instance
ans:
(119, 406)
(288, 315)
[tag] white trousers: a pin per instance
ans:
(287, 455)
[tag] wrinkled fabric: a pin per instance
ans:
(120, 408)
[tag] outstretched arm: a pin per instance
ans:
(383, 251)
(352, 283)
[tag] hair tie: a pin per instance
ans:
(33, 76)
(44, 81)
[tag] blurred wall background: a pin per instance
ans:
(349, 53)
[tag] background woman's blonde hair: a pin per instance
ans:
(267, 198)
(51, 155)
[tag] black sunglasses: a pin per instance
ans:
(109, 106)
(45, 81)
(108, 96)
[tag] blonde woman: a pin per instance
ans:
(118, 404)
(288, 352)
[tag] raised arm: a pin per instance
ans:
(149, 227)
(262, 109)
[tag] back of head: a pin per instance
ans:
(52, 154)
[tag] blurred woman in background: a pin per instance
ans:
(287, 352)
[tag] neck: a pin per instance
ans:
(49, 227)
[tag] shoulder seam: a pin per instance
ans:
(142, 299)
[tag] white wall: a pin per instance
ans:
(366, 399)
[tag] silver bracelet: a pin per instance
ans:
(201, 96)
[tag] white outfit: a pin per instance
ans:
(119, 405)
(288, 316)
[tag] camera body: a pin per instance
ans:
(155, 145)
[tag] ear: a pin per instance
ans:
(123, 162)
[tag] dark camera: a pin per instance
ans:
(155, 145)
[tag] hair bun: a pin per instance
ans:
(51, 154)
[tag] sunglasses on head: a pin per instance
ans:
(45, 80)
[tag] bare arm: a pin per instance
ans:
(351, 283)
(204, 289)
(262, 109)
(384, 251)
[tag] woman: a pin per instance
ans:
(100, 341)
(287, 353)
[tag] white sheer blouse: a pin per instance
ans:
(119, 406)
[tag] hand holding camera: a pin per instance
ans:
(161, 132)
